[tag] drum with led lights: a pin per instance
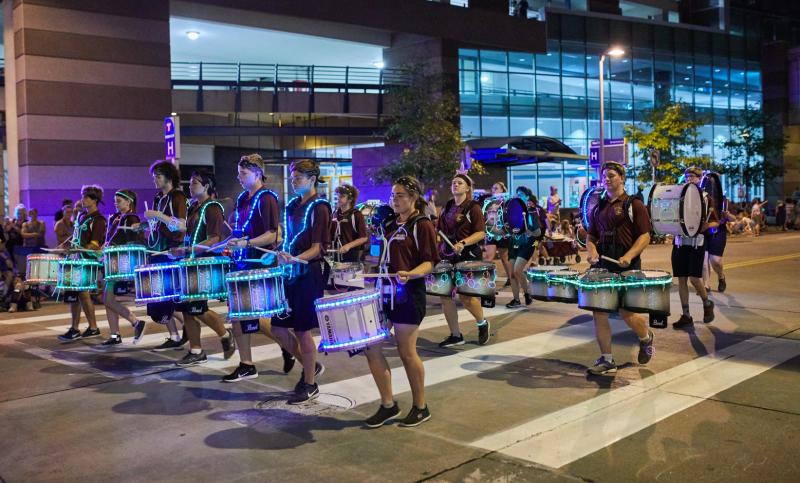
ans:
(42, 268)
(351, 321)
(256, 293)
(599, 290)
(476, 279)
(120, 262)
(561, 286)
(158, 282)
(78, 274)
(647, 291)
(346, 275)
(440, 281)
(493, 215)
(537, 280)
(203, 278)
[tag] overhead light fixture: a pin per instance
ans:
(615, 52)
(716, 70)
(484, 78)
(173, 113)
(378, 64)
(193, 34)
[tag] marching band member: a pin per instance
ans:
(688, 258)
(524, 245)
(307, 226)
(616, 234)
(348, 229)
(463, 224)
(256, 223)
(410, 253)
(500, 246)
(205, 224)
(125, 217)
(167, 216)
(89, 233)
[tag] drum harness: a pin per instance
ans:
(337, 235)
(154, 237)
(383, 265)
(308, 222)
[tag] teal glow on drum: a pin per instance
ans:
(476, 279)
(440, 281)
(256, 293)
(599, 290)
(647, 291)
(120, 262)
(157, 282)
(203, 278)
(79, 275)
(561, 286)
(537, 280)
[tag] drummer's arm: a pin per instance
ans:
(420, 270)
(264, 239)
(638, 246)
(591, 246)
(476, 237)
(355, 243)
(311, 253)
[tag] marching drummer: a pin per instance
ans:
(410, 253)
(463, 225)
(256, 224)
(524, 245)
(118, 233)
(308, 218)
(688, 258)
(618, 229)
(205, 226)
(499, 246)
(167, 219)
(348, 228)
(89, 234)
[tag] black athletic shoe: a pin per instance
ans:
(319, 370)
(115, 339)
(416, 417)
(304, 393)
(483, 332)
(684, 323)
(383, 415)
(288, 361)
(184, 337)
(228, 345)
(708, 312)
(70, 335)
(602, 367)
(192, 359)
(138, 331)
(722, 285)
(452, 340)
(89, 333)
(528, 299)
(507, 284)
(244, 371)
(513, 304)
(168, 344)
(646, 349)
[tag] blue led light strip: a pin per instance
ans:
(289, 245)
(254, 202)
(202, 220)
(366, 340)
(346, 302)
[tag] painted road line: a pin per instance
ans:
(759, 261)
(567, 435)
(471, 362)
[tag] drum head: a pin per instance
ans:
(589, 201)
(712, 184)
(548, 268)
(692, 210)
(563, 274)
(599, 276)
(442, 267)
(515, 215)
(475, 266)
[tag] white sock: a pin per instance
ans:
(389, 406)
(196, 351)
(608, 357)
(175, 337)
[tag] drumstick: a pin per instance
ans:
(374, 275)
(55, 250)
(151, 252)
(271, 252)
(444, 237)
(612, 260)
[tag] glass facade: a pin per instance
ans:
(556, 94)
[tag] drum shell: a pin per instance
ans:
(351, 326)
(261, 295)
(562, 292)
(604, 299)
(537, 282)
(120, 263)
(77, 274)
(440, 281)
(650, 299)
(475, 281)
(676, 210)
(157, 282)
(211, 274)
(346, 274)
(42, 268)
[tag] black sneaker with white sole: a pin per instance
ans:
(115, 339)
(168, 344)
(602, 367)
(483, 332)
(192, 359)
(70, 335)
(383, 416)
(319, 370)
(416, 417)
(646, 349)
(452, 340)
(228, 345)
(244, 371)
(304, 393)
(138, 331)
(288, 361)
(90, 332)
(513, 304)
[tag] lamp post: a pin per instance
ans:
(612, 52)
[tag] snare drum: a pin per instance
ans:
(561, 286)
(256, 293)
(203, 278)
(647, 291)
(120, 262)
(476, 279)
(42, 268)
(78, 274)
(677, 209)
(440, 281)
(350, 321)
(537, 280)
(599, 290)
(346, 275)
(158, 282)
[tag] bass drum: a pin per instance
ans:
(711, 183)
(375, 214)
(676, 209)
(493, 214)
(589, 201)
(515, 216)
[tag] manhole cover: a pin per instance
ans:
(326, 403)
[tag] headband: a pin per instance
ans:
(620, 169)
(694, 170)
(465, 178)
(408, 185)
(124, 195)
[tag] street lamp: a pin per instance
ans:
(612, 52)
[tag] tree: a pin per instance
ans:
(673, 131)
(756, 139)
(426, 122)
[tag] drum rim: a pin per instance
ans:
(573, 274)
(486, 265)
(685, 190)
(363, 295)
(272, 272)
(123, 248)
(199, 261)
(150, 267)
(666, 276)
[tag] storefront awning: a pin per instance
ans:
(512, 151)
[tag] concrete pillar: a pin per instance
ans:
(90, 81)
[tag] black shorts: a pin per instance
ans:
(715, 244)
(521, 246)
(409, 303)
(301, 292)
(687, 261)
